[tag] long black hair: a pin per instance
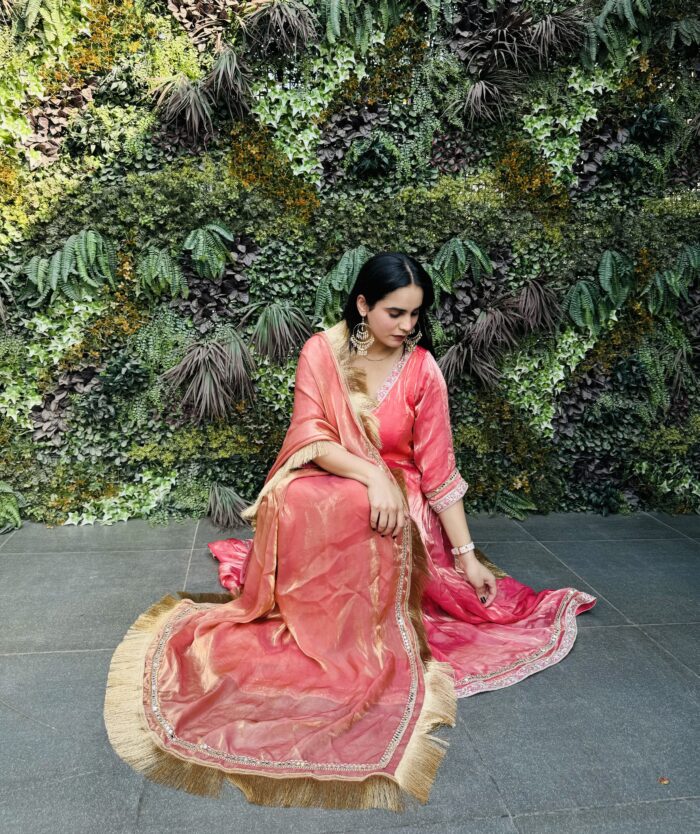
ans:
(383, 273)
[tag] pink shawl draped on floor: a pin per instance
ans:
(315, 685)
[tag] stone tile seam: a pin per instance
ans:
(658, 521)
(96, 551)
(576, 808)
(57, 651)
(639, 625)
(5, 539)
(189, 561)
(493, 779)
(31, 718)
(668, 651)
(592, 587)
(45, 780)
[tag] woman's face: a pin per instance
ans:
(393, 316)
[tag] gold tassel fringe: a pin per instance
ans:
(424, 753)
(299, 458)
(305, 792)
(125, 721)
(133, 741)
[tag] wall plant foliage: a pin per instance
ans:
(188, 189)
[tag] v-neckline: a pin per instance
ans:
(390, 379)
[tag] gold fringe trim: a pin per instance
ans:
(424, 753)
(306, 792)
(299, 458)
(133, 741)
(124, 718)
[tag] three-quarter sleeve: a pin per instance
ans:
(433, 450)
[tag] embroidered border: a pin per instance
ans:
(452, 496)
(471, 684)
(393, 376)
(438, 490)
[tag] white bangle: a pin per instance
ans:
(464, 548)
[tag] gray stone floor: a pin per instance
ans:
(578, 748)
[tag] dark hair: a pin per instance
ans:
(382, 274)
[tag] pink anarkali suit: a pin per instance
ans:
(317, 679)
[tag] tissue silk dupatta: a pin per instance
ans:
(315, 685)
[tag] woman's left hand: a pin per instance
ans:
(479, 577)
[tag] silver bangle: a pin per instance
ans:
(463, 548)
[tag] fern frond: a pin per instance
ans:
(580, 303)
(450, 262)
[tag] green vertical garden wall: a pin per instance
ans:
(188, 189)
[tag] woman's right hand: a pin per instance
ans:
(386, 504)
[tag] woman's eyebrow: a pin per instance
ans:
(400, 309)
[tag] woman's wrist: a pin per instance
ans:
(374, 473)
(466, 557)
(461, 550)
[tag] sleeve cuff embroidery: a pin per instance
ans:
(440, 499)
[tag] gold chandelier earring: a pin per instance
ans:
(361, 337)
(412, 340)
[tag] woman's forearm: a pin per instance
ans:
(341, 462)
(454, 522)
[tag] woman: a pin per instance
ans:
(358, 612)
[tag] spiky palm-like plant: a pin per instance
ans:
(496, 327)
(557, 34)
(500, 46)
(181, 101)
(229, 81)
(9, 11)
(213, 375)
(225, 506)
(462, 357)
(279, 329)
(539, 306)
(280, 26)
(487, 97)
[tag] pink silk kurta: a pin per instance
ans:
(522, 631)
